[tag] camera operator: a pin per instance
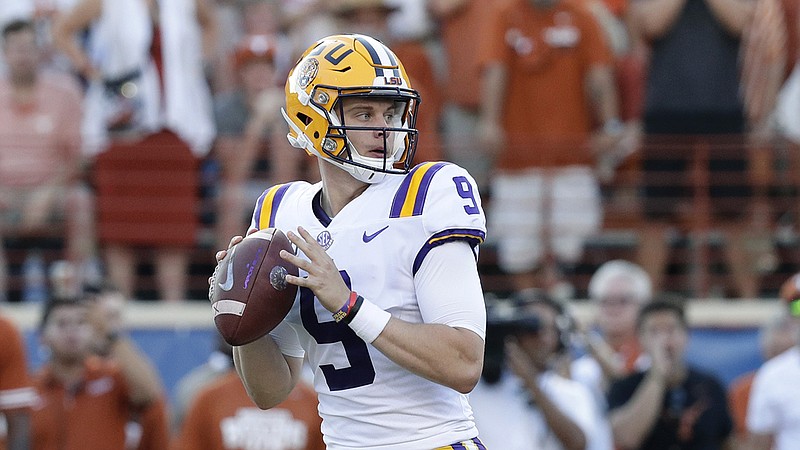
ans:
(540, 408)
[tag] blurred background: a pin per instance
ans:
(129, 155)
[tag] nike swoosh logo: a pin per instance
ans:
(228, 285)
(369, 237)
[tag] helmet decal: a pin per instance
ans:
(307, 72)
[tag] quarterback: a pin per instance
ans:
(389, 313)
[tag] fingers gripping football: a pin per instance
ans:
(323, 277)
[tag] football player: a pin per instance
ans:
(390, 312)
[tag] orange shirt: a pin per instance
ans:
(93, 416)
(420, 71)
(222, 417)
(548, 54)
(462, 85)
(38, 139)
(154, 425)
(16, 392)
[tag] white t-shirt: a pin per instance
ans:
(774, 406)
(508, 422)
(387, 243)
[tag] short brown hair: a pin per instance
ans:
(663, 303)
(15, 26)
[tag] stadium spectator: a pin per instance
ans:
(775, 337)
(148, 120)
(786, 115)
(41, 168)
(774, 398)
(371, 17)
(769, 51)
(693, 119)
(670, 405)
(629, 54)
(251, 134)
(532, 405)
(306, 21)
(549, 107)
(17, 395)
(147, 427)
(618, 289)
(221, 416)
(218, 364)
(461, 86)
(412, 21)
(77, 391)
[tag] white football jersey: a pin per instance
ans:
(378, 242)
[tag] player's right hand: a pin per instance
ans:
(220, 255)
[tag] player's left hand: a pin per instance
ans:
(323, 276)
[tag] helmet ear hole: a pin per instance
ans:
(304, 118)
(316, 135)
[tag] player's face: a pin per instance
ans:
(372, 112)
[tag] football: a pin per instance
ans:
(249, 294)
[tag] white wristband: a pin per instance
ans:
(369, 321)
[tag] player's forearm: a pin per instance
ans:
(452, 357)
(632, 422)
(268, 376)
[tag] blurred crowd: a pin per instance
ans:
(140, 133)
(618, 378)
(136, 134)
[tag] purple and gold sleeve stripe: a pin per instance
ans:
(472, 444)
(473, 237)
(410, 197)
(267, 205)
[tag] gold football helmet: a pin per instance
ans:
(342, 66)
